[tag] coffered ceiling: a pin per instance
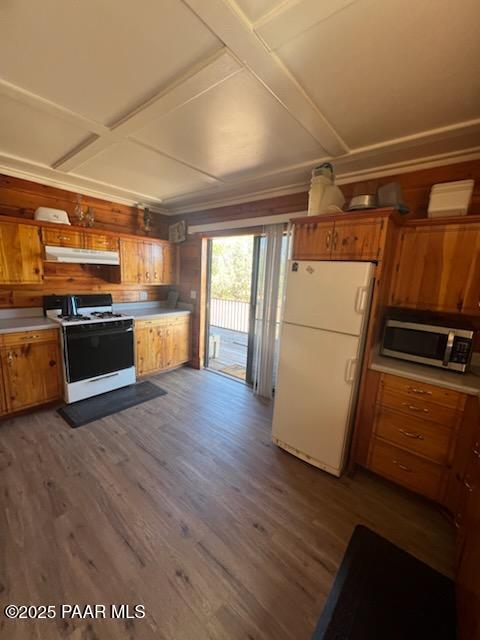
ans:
(186, 104)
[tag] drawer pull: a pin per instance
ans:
(468, 486)
(409, 434)
(476, 451)
(402, 466)
(421, 392)
(413, 407)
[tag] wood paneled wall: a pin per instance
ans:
(416, 187)
(19, 198)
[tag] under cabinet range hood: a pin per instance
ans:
(81, 256)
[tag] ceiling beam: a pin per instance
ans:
(237, 33)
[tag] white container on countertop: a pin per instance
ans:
(450, 198)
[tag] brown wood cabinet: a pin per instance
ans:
(77, 239)
(30, 368)
(161, 343)
(357, 236)
(437, 267)
(20, 254)
(147, 262)
(414, 437)
(468, 523)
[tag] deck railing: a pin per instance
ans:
(229, 314)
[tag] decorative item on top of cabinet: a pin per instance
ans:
(30, 368)
(415, 434)
(437, 267)
(20, 254)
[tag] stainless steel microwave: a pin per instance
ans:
(428, 344)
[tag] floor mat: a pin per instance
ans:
(80, 413)
(383, 593)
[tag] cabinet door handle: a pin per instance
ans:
(335, 238)
(328, 239)
(476, 450)
(410, 434)
(468, 486)
(413, 407)
(10, 358)
(420, 392)
(401, 466)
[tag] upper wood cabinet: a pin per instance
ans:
(312, 241)
(20, 254)
(147, 262)
(65, 237)
(357, 240)
(437, 267)
(342, 237)
(31, 368)
(62, 237)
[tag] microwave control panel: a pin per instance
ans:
(461, 350)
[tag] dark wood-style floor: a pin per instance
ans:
(184, 505)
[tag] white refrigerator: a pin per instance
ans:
(321, 347)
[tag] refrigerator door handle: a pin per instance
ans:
(350, 370)
(361, 299)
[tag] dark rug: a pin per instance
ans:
(80, 413)
(383, 593)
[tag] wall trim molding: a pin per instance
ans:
(380, 171)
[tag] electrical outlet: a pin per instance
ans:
(193, 294)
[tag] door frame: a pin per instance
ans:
(208, 287)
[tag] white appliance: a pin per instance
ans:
(81, 256)
(97, 345)
(321, 348)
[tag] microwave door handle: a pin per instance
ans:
(448, 349)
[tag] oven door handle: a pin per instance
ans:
(448, 348)
(95, 334)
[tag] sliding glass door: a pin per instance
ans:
(235, 304)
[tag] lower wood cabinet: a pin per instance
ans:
(414, 436)
(161, 344)
(31, 369)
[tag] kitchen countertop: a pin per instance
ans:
(151, 312)
(33, 323)
(468, 383)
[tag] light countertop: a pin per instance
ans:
(33, 323)
(468, 383)
(148, 312)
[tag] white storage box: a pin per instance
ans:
(450, 198)
(52, 215)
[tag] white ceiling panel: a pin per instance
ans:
(231, 131)
(99, 58)
(129, 166)
(26, 132)
(255, 9)
(378, 71)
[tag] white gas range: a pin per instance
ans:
(97, 344)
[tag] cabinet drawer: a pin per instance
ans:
(23, 337)
(421, 390)
(420, 408)
(100, 242)
(426, 438)
(408, 470)
(62, 237)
